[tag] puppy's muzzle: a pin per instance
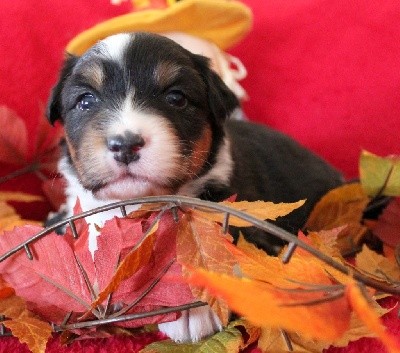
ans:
(126, 147)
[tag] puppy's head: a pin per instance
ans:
(142, 115)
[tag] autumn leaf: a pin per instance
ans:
(235, 337)
(326, 241)
(380, 175)
(117, 239)
(134, 260)
(8, 216)
(51, 287)
(261, 210)
(256, 264)
(43, 155)
(18, 196)
(387, 228)
(5, 289)
(370, 317)
(13, 137)
(275, 307)
(201, 243)
(274, 340)
(343, 206)
(24, 325)
(377, 266)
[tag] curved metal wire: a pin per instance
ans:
(174, 202)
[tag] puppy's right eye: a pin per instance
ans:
(86, 102)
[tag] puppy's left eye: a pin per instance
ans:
(176, 98)
(86, 102)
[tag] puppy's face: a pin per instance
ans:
(142, 115)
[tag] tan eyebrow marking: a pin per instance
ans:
(94, 74)
(166, 72)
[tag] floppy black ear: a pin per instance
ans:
(54, 108)
(221, 100)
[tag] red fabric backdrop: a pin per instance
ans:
(324, 71)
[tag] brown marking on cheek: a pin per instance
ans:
(165, 73)
(201, 150)
(89, 159)
(71, 149)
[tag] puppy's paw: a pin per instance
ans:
(193, 325)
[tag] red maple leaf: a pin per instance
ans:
(63, 276)
(27, 162)
(17, 150)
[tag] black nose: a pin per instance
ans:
(125, 147)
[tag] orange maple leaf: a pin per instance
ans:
(24, 325)
(369, 317)
(201, 243)
(266, 305)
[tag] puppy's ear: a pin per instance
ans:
(54, 108)
(221, 100)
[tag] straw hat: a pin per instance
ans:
(223, 22)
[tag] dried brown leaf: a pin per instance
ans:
(377, 266)
(341, 207)
(201, 244)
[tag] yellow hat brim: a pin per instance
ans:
(222, 22)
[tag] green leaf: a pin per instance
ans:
(380, 175)
(229, 340)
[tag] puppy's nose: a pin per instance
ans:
(125, 147)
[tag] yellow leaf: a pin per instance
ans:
(259, 209)
(304, 268)
(370, 317)
(268, 306)
(377, 265)
(380, 175)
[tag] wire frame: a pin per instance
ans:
(173, 203)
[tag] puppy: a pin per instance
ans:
(143, 116)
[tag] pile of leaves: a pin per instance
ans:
(322, 291)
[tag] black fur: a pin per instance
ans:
(267, 165)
